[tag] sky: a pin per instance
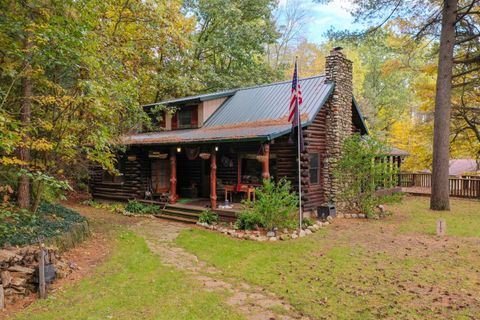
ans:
(323, 17)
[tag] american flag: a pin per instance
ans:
(295, 98)
(294, 109)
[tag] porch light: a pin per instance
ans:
(216, 148)
(179, 149)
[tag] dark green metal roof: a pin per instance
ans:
(193, 99)
(271, 102)
(255, 113)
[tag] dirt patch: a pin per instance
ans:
(253, 302)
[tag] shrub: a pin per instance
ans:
(307, 222)
(20, 227)
(276, 204)
(208, 216)
(134, 206)
(248, 220)
(360, 174)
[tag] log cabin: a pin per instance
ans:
(218, 147)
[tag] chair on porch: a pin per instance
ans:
(157, 195)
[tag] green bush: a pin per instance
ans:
(361, 173)
(20, 227)
(208, 216)
(276, 205)
(248, 220)
(306, 222)
(134, 206)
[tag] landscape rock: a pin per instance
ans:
(354, 215)
(7, 256)
(272, 239)
(270, 234)
(308, 231)
(330, 219)
(284, 237)
(347, 215)
(18, 282)
(294, 236)
(362, 215)
(21, 269)
(5, 278)
(302, 233)
(311, 229)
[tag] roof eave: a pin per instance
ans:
(193, 99)
(360, 115)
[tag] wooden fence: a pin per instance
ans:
(459, 187)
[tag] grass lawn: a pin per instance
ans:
(394, 268)
(132, 284)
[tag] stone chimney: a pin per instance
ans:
(338, 69)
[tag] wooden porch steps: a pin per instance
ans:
(180, 213)
(175, 218)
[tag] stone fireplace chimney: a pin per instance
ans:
(338, 69)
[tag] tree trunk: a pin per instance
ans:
(25, 116)
(441, 131)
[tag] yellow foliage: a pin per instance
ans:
(11, 161)
(41, 145)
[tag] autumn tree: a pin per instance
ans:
(440, 20)
(73, 77)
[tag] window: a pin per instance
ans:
(314, 168)
(185, 118)
(251, 170)
(120, 166)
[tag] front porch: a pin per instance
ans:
(214, 176)
(209, 176)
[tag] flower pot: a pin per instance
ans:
(204, 155)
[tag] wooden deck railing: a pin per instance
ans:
(459, 187)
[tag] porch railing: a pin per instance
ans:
(466, 187)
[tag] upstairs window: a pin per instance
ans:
(314, 168)
(185, 118)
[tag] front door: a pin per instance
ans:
(160, 175)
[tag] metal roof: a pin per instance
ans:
(197, 98)
(271, 102)
(254, 113)
(393, 151)
(208, 135)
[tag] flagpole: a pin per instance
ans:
(299, 123)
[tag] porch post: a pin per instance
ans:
(173, 176)
(266, 162)
(213, 179)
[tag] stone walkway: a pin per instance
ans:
(253, 302)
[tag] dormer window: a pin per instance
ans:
(186, 117)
